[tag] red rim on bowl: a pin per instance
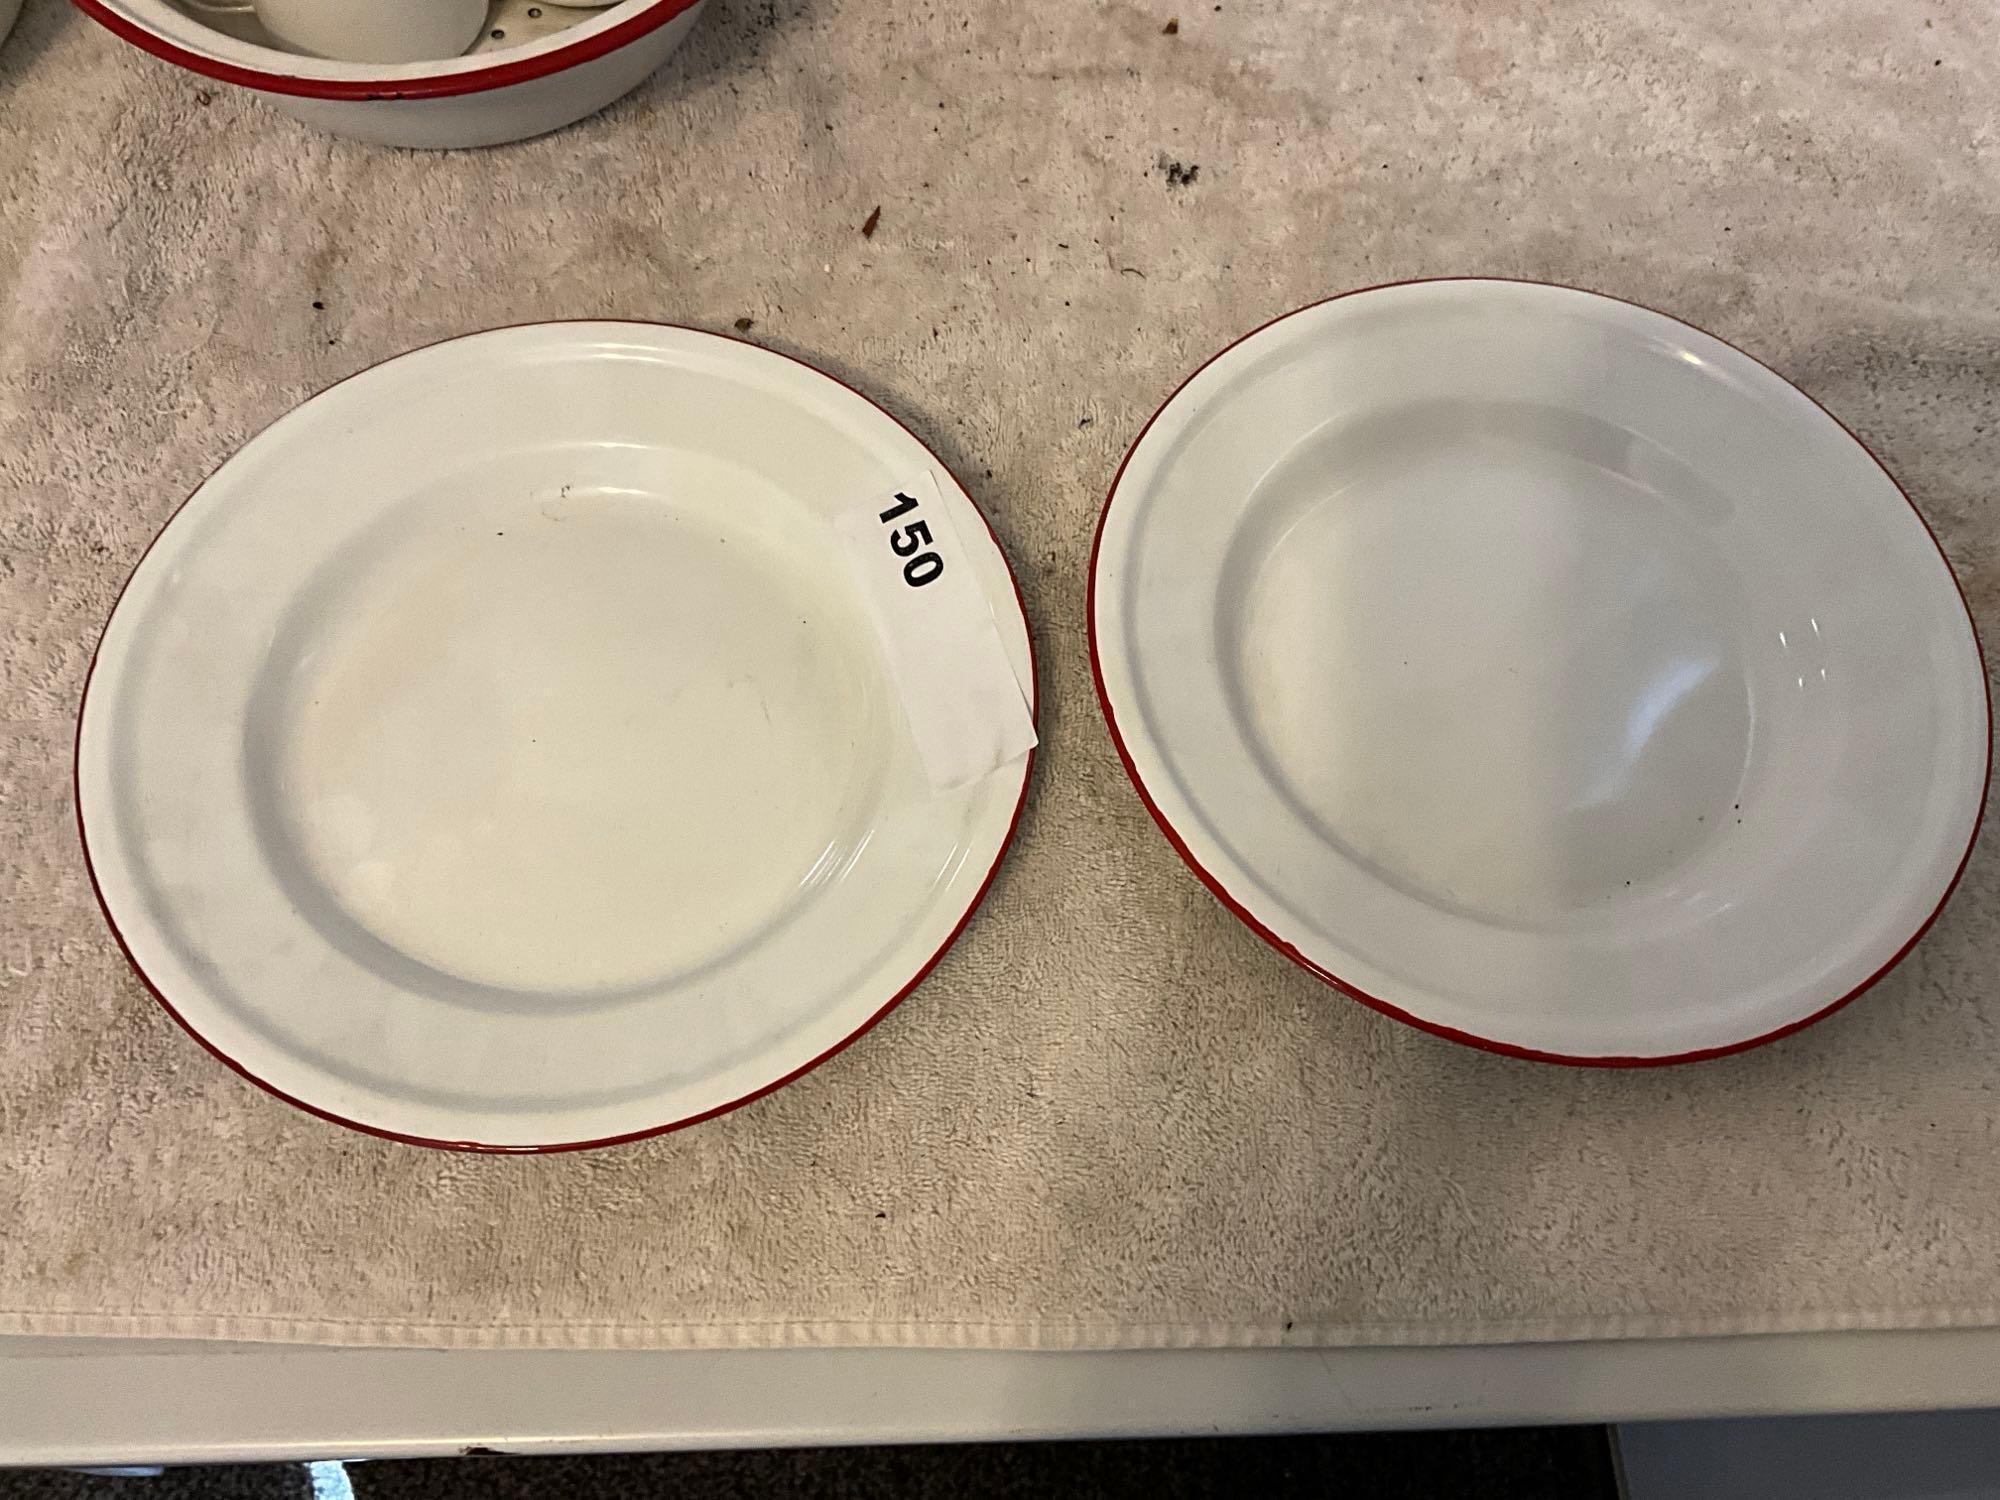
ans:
(902, 993)
(1389, 1008)
(478, 80)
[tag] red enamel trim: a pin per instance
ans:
(923, 971)
(1388, 1008)
(498, 75)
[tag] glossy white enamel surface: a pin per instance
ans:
(372, 31)
(1541, 668)
(494, 116)
(218, 37)
(497, 749)
(485, 115)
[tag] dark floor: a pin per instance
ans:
(1517, 1464)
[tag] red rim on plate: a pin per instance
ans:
(901, 994)
(434, 86)
(1375, 1002)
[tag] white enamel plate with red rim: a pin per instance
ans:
(498, 752)
(1541, 671)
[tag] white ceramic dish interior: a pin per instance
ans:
(496, 751)
(538, 66)
(1540, 670)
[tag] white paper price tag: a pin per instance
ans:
(965, 708)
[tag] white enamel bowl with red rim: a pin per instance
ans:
(576, 62)
(496, 751)
(1540, 670)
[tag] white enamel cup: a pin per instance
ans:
(363, 31)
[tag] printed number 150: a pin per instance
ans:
(905, 541)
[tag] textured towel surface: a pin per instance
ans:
(1112, 1116)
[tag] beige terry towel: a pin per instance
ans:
(1112, 1116)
